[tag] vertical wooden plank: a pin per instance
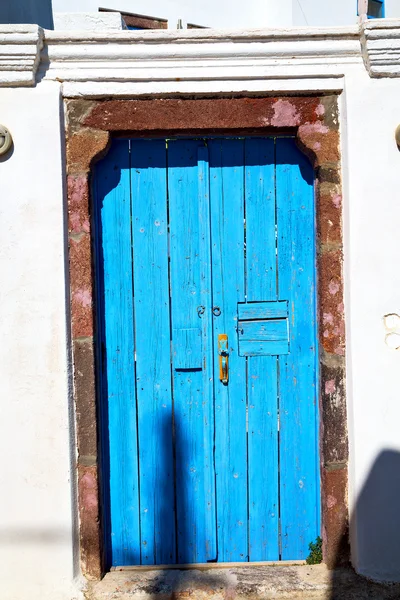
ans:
(262, 370)
(191, 308)
(113, 195)
(227, 234)
(299, 458)
(152, 345)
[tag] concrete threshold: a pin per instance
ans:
(244, 583)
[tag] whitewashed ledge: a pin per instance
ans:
(130, 62)
(380, 40)
(20, 47)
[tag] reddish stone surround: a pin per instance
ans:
(315, 121)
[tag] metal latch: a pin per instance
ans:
(223, 357)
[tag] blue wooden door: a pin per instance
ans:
(205, 257)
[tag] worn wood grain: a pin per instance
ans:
(193, 399)
(262, 370)
(227, 231)
(152, 347)
(201, 238)
(113, 195)
(299, 463)
(260, 310)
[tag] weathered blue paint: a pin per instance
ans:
(152, 347)
(262, 310)
(227, 241)
(298, 447)
(193, 398)
(263, 338)
(262, 397)
(220, 238)
(263, 329)
(114, 206)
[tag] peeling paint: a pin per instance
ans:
(331, 501)
(312, 128)
(330, 386)
(285, 114)
(333, 287)
(77, 225)
(83, 297)
(339, 351)
(89, 489)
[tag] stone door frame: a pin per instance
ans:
(314, 120)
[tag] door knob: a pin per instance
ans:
(223, 357)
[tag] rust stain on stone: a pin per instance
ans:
(78, 204)
(319, 142)
(90, 543)
(82, 146)
(329, 223)
(332, 328)
(76, 112)
(81, 286)
(85, 390)
(218, 113)
(333, 406)
(335, 517)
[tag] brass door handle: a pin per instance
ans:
(223, 358)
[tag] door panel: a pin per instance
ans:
(118, 381)
(299, 489)
(152, 344)
(228, 280)
(193, 397)
(199, 240)
(261, 370)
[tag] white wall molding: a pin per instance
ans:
(20, 47)
(93, 21)
(126, 63)
(198, 61)
(380, 39)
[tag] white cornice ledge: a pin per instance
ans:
(380, 39)
(20, 47)
(166, 61)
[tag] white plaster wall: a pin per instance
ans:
(36, 528)
(372, 262)
(212, 13)
(334, 12)
(328, 12)
(392, 8)
(36, 507)
(231, 13)
(95, 21)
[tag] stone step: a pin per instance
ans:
(241, 583)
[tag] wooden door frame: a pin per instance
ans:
(314, 121)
